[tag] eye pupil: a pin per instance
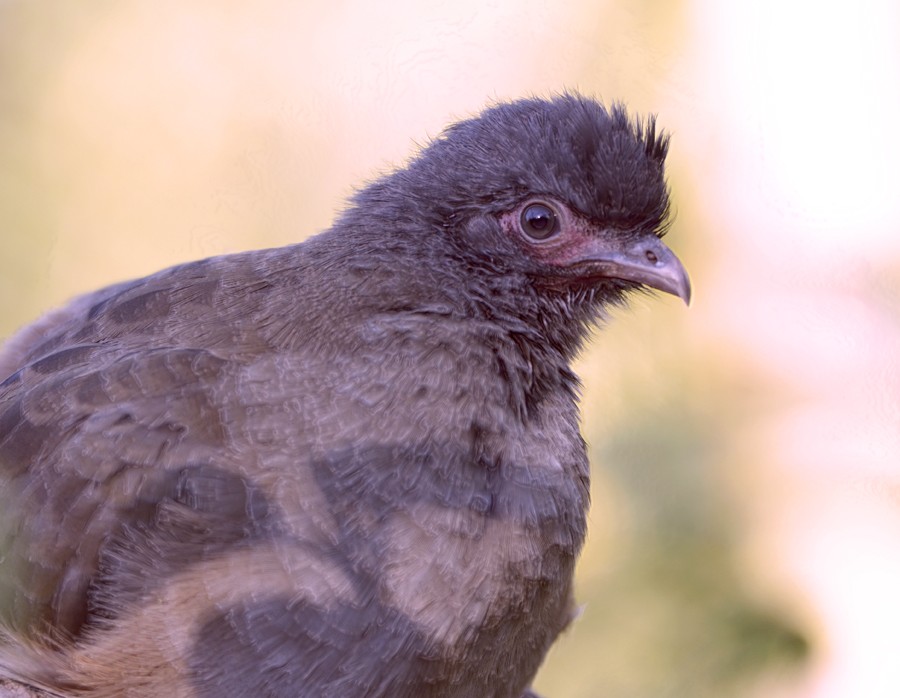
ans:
(539, 221)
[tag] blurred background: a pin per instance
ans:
(745, 532)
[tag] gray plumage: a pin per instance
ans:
(349, 467)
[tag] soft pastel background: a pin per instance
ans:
(745, 535)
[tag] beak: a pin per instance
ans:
(645, 261)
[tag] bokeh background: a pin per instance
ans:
(745, 533)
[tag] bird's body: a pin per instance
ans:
(349, 467)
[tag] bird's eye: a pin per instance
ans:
(539, 221)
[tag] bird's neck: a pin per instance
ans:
(371, 276)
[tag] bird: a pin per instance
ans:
(348, 467)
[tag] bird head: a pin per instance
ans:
(561, 201)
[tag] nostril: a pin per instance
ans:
(651, 256)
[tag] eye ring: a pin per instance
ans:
(539, 221)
